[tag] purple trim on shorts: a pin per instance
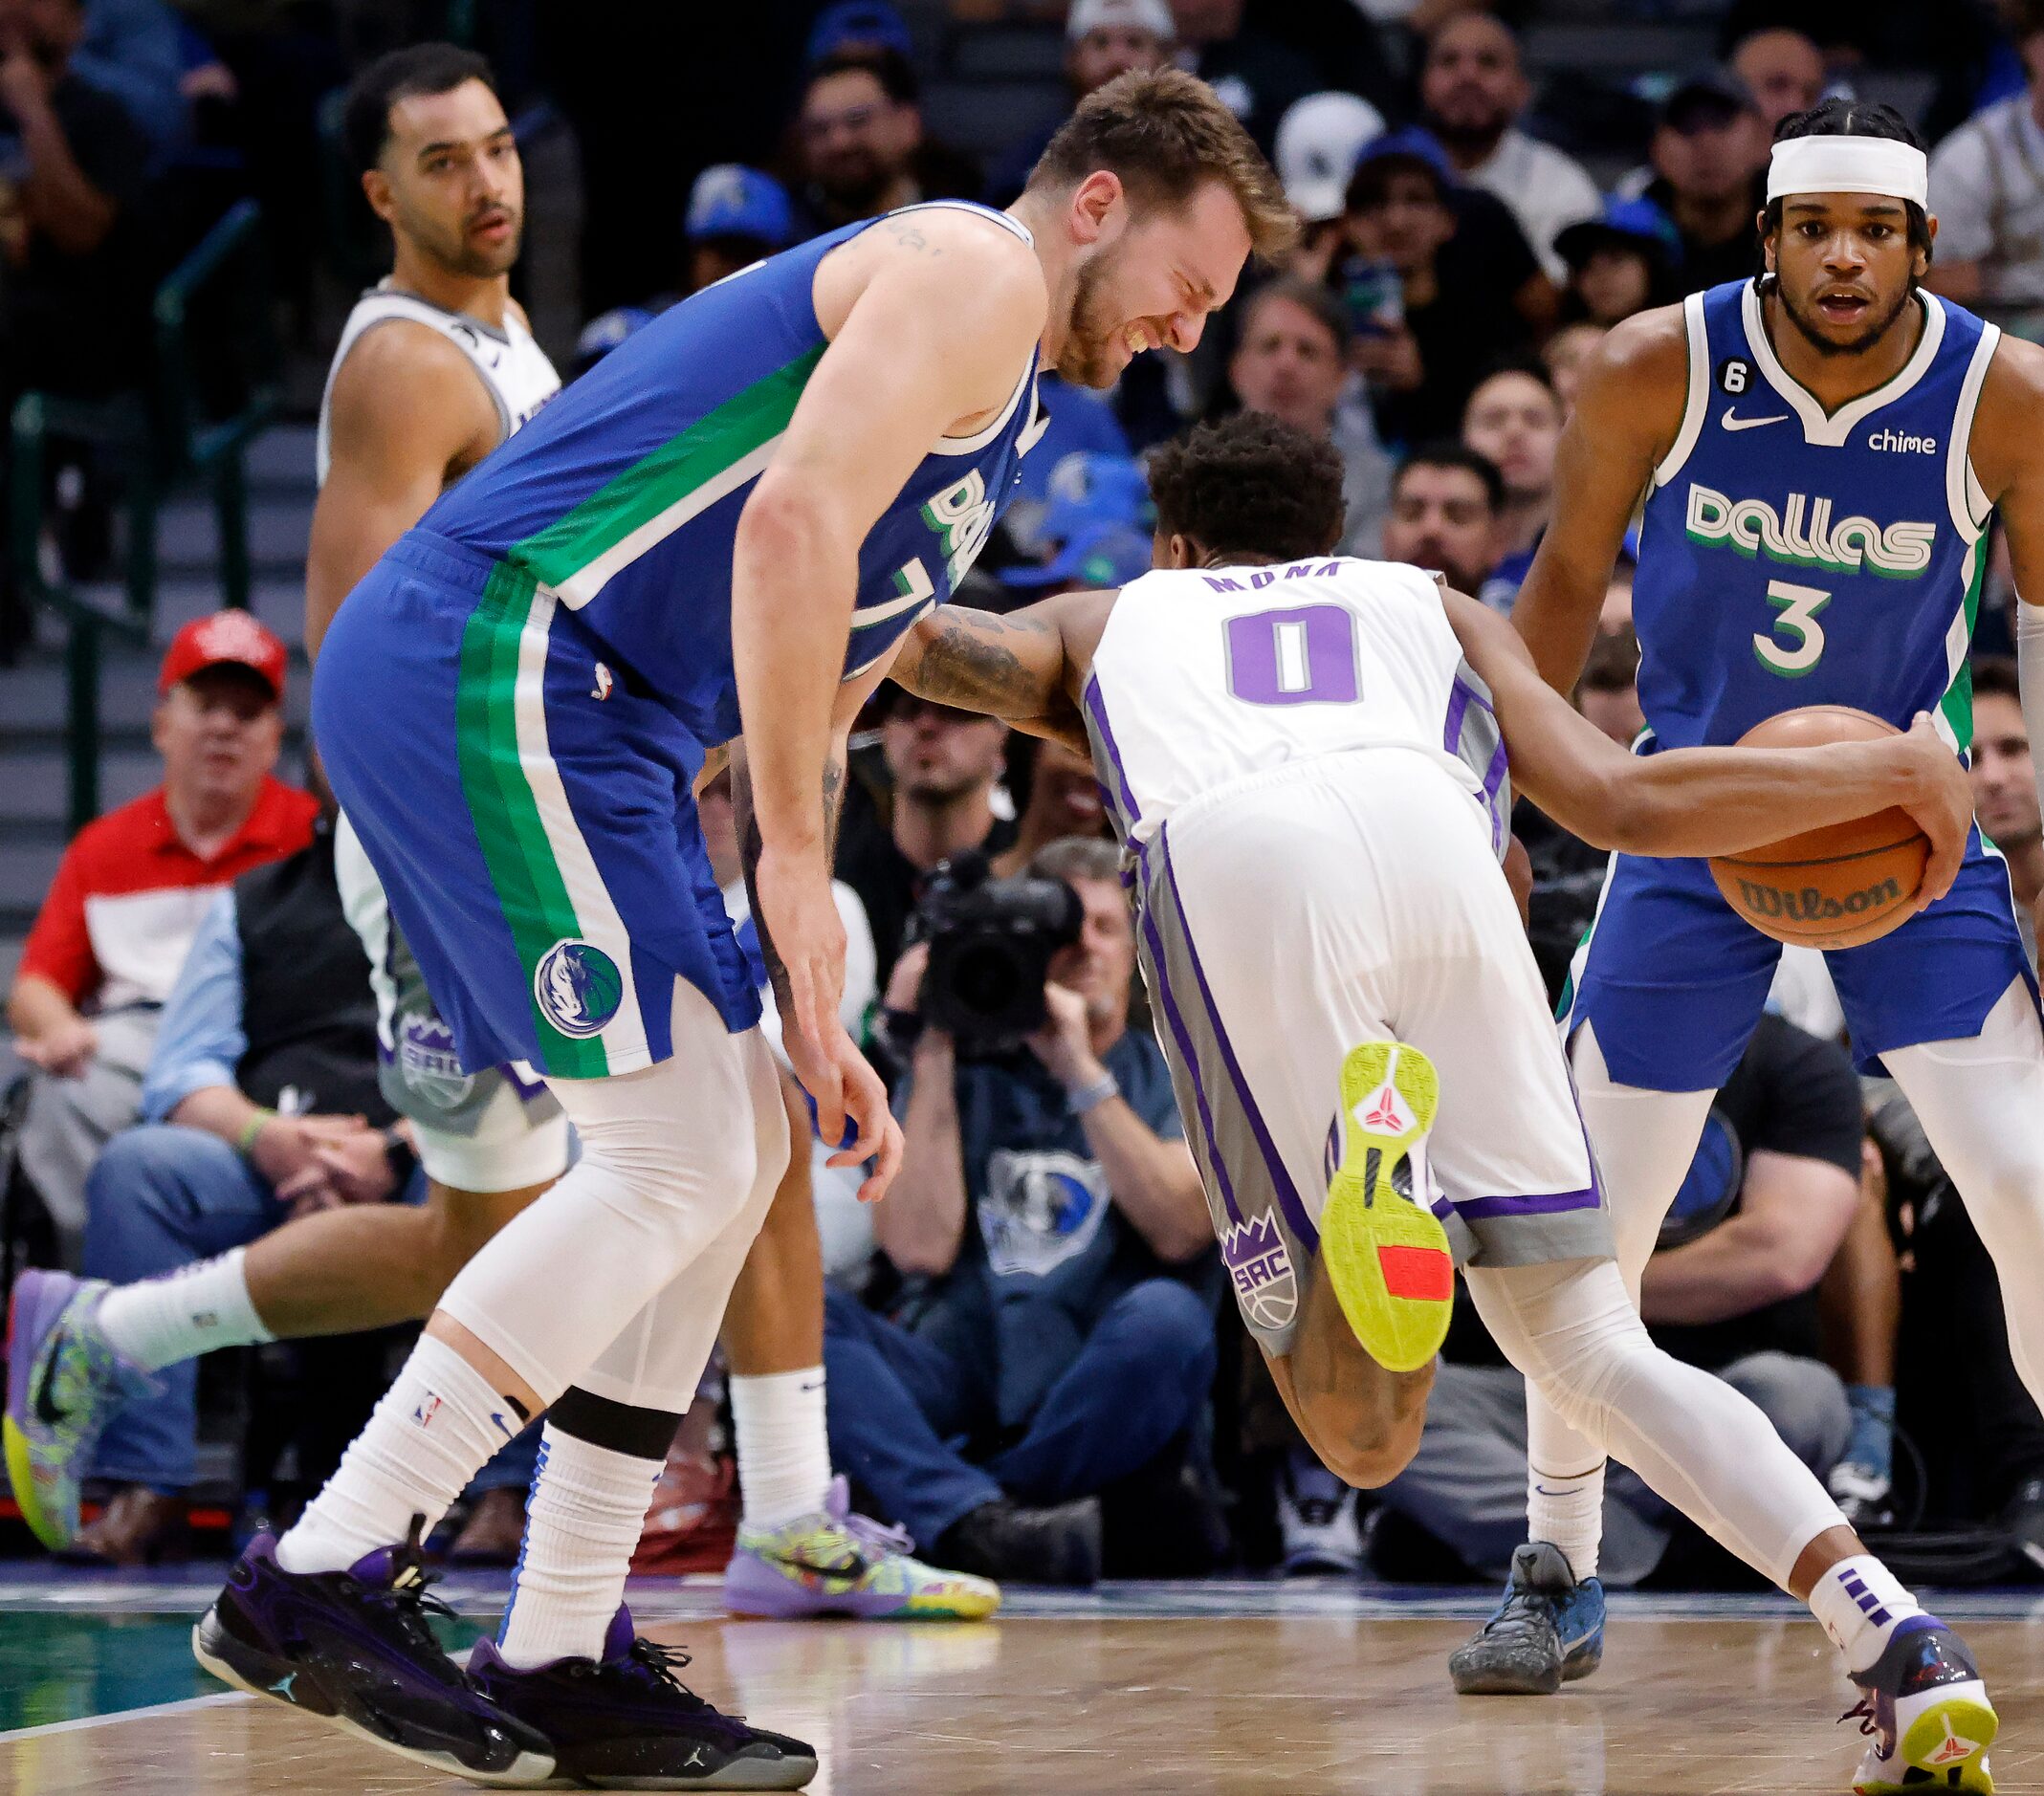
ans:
(1460, 699)
(1302, 1224)
(1451, 731)
(1550, 1203)
(1122, 798)
(1493, 782)
(1186, 1053)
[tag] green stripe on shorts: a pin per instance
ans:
(530, 891)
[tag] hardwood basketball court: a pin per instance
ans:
(1213, 1688)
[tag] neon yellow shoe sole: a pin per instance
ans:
(21, 1477)
(1949, 1735)
(1387, 1256)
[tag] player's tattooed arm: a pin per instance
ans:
(1012, 667)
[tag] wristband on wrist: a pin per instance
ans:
(1091, 1097)
(245, 1141)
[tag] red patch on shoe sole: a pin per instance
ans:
(1424, 1273)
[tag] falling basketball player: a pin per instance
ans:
(1821, 449)
(1302, 755)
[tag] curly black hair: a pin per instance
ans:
(1253, 484)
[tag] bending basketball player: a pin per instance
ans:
(1821, 450)
(1303, 756)
(742, 510)
(436, 367)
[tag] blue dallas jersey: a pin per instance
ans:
(1790, 558)
(621, 497)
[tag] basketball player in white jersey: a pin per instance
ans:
(436, 367)
(1304, 758)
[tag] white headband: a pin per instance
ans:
(1849, 165)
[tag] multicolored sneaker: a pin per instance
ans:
(835, 1563)
(626, 1722)
(64, 1384)
(354, 1649)
(1549, 1631)
(1387, 1254)
(1928, 1714)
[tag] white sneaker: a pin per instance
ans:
(1316, 1515)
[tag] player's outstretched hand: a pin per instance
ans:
(1943, 808)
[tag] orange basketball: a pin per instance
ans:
(1835, 887)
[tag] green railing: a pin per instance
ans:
(166, 440)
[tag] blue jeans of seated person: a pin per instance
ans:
(900, 1405)
(160, 1197)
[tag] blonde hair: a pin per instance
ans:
(1166, 134)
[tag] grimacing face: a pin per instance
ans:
(449, 181)
(1844, 268)
(1146, 277)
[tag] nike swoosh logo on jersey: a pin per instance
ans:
(1732, 421)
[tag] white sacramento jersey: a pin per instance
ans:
(1205, 675)
(513, 367)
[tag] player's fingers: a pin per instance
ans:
(866, 1110)
(885, 1164)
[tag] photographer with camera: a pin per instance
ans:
(1049, 1219)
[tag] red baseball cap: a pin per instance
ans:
(226, 636)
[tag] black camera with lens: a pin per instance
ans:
(990, 943)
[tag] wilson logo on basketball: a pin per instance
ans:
(1811, 906)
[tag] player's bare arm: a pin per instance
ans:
(1705, 801)
(407, 416)
(1628, 413)
(929, 331)
(1017, 668)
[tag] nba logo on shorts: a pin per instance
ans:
(577, 988)
(1260, 1265)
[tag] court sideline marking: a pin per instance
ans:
(217, 1700)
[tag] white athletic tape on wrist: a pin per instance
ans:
(1849, 165)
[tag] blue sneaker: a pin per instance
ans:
(64, 1384)
(355, 1649)
(1549, 1631)
(1928, 1714)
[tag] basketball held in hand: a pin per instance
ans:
(1831, 887)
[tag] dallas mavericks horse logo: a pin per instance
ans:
(577, 988)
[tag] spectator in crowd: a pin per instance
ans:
(1103, 38)
(1446, 502)
(1063, 803)
(1257, 75)
(1608, 694)
(1292, 359)
(1708, 152)
(2005, 787)
(1782, 69)
(1473, 91)
(1619, 262)
(132, 890)
(261, 1102)
(858, 26)
(944, 766)
(864, 150)
(1564, 355)
(135, 51)
(1048, 1197)
(1318, 140)
(1081, 473)
(1095, 530)
(1986, 190)
(1769, 1197)
(1469, 286)
(735, 216)
(1513, 421)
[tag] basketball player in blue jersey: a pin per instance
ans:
(1819, 451)
(735, 516)
(1301, 755)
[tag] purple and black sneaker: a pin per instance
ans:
(626, 1722)
(354, 1649)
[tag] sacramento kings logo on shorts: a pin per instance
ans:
(1260, 1265)
(429, 1062)
(577, 988)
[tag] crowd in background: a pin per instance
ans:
(1039, 1309)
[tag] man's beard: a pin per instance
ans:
(1813, 334)
(1086, 358)
(856, 185)
(455, 253)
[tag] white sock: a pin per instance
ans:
(429, 1434)
(784, 1448)
(1567, 1513)
(1857, 1601)
(184, 1313)
(588, 1505)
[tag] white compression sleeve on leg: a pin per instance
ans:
(2030, 675)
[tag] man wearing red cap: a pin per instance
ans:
(131, 889)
